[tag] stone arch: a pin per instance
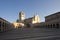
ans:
(48, 25)
(28, 25)
(53, 25)
(0, 25)
(57, 25)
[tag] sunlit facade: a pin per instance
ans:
(18, 25)
(21, 16)
(22, 21)
(36, 19)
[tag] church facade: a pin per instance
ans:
(26, 22)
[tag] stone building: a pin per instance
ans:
(51, 21)
(5, 25)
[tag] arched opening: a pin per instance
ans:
(19, 26)
(3, 26)
(0, 25)
(28, 25)
(53, 25)
(48, 26)
(57, 25)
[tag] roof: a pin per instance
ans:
(53, 14)
(29, 18)
(4, 20)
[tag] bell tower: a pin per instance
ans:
(36, 18)
(21, 16)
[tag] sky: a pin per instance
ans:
(9, 9)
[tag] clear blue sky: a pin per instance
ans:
(9, 9)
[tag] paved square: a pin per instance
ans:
(31, 34)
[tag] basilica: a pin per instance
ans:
(51, 21)
(26, 22)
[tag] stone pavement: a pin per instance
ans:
(31, 34)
